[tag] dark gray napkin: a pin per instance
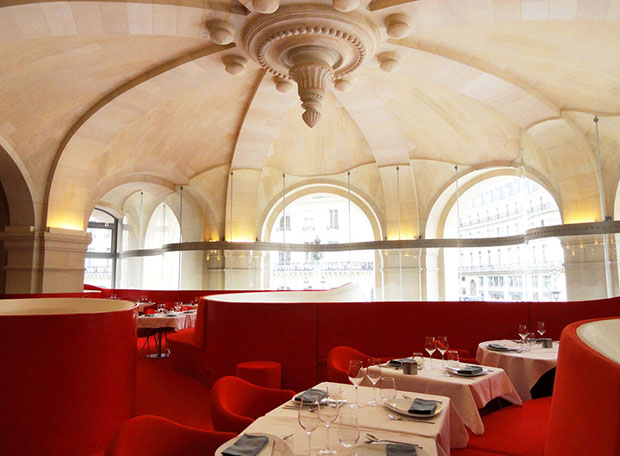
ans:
(469, 370)
(400, 449)
(312, 395)
(247, 445)
(399, 361)
(423, 406)
(498, 347)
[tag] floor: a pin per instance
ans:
(162, 391)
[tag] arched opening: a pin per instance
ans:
(161, 271)
(100, 262)
(322, 218)
(504, 206)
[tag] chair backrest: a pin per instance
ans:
(236, 403)
(338, 362)
(156, 436)
(585, 408)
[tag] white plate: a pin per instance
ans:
(378, 449)
(401, 405)
(453, 371)
(280, 448)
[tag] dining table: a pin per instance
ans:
(467, 393)
(524, 364)
(161, 323)
(435, 435)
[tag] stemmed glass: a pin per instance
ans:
(541, 328)
(388, 389)
(349, 431)
(442, 346)
(430, 345)
(356, 375)
(328, 412)
(308, 420)
(523, 333)
(373, 372)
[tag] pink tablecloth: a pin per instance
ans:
(177, 321)
(523, 368)
(468, 394)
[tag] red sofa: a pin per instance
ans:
(300, 335)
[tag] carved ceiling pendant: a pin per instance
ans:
(313, 44)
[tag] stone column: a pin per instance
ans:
(44, 261)
(584, 265)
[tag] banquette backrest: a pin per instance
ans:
(585, 409)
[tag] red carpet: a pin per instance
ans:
(164, 392)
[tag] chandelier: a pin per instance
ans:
(315, 45)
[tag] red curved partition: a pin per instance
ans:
(67, 374)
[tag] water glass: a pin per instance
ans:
(308, 420)
(388, 390)
(373, 372)
(348, 431)
(356, 375)
(419, 359)
(452, 357)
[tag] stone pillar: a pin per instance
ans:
(243, 270)
(44, 261)
(403, 262)
(584, 265)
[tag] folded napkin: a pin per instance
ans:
(312, 395)
(399, 361)
(247, 445)
(469, 370)
(423, 406)
(400, 449)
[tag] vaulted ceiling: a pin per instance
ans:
(98, 94)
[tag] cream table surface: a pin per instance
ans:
(177, 321)
(447, 429)
(523, 368)
(283, 426)
(468, 394)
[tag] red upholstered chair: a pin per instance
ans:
(338, 362)
(514, 430)
(156, 436)
(236, 403)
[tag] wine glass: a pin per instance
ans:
(541, 328)
(308, 420)
(453, 359)
(388, 389)
(430, 345)
(523, 333)
(356, 375)
(373, 372)
(419, 359)
(328, 412)
(442, 346)
(349, 431)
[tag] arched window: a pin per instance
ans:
(161, 272)
(322, 218)
(510, 277)
(100, 262)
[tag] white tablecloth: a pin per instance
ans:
(523, 368)
(176, 321)
(447, 429)
(283, 426)
(468, 394)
